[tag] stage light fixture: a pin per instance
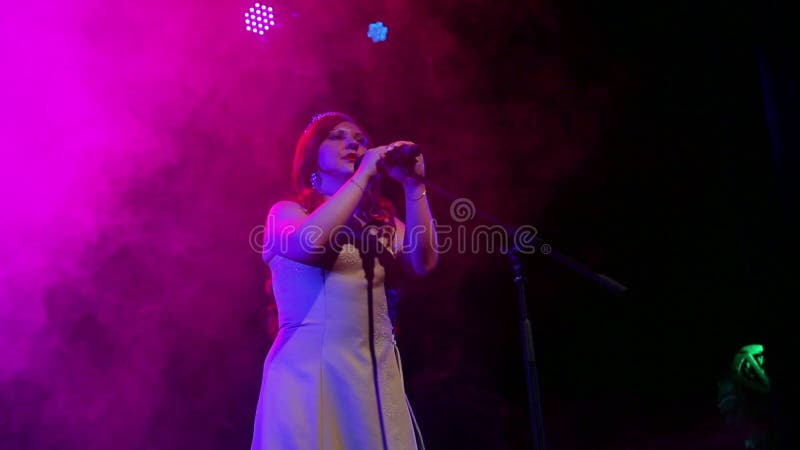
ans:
(377, 32)
(259, 18)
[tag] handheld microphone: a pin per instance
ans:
(402, 156)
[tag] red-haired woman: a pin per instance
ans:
(332, 378)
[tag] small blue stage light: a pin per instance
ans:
(377, 32)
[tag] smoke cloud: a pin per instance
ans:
(145, 140)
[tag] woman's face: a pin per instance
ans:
(340, 149)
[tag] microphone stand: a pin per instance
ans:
(520, 280)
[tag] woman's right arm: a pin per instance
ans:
(293, 234)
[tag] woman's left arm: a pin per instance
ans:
(420, 246)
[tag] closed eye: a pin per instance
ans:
(337, 135)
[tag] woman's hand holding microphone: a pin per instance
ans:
(400, 160)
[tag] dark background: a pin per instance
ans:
(686, 201)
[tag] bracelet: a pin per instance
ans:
(359, 186)
(424, 193)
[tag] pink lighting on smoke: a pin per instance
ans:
(131, 179)
(259, 19)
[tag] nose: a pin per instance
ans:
(352, 144)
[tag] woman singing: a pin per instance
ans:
(333, 379)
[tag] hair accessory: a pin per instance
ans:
(319, 116)
(316, 117)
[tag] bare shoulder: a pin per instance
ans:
(287, 209)
(282, 216)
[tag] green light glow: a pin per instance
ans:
(748, 366)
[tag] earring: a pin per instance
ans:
(315, 180)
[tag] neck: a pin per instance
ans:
(330, 184)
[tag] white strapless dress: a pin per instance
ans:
(333, 378)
